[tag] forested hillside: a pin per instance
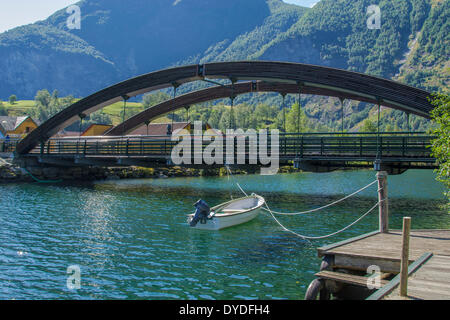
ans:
(120, 39)
(428, 63)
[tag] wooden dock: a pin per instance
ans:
(430, 280)
(345, 270)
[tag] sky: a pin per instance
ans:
(14, 13)
(304, 3)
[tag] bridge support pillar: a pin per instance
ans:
(383, 201)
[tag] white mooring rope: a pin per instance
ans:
(314, 210)
(328, 235)
(328, 205)
(320, 237)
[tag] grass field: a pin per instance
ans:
(19, 108)
(23, 108)
(115, 112)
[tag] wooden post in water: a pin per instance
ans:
(383, 199)
(405, 257)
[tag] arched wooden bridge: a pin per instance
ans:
(226, 91)
(266, 76)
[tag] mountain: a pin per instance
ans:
(412, 46)
(120, 39)
(42, 56)
(335, 33)
(427, 63)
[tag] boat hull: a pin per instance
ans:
(222, 222)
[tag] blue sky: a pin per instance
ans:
(305, 3)
(14, 13)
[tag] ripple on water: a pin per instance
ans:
(131, 240)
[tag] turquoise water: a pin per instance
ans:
(131, 241)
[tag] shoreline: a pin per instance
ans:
(10, 173)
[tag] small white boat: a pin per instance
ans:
(227, 214)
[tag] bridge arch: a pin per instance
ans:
(283, 74)
(220, 92)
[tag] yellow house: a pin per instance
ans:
(18, 126)
(95, 130)
(163, 129)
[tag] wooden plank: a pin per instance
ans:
(322, 250)
(433, 276)
(428, 284)
(362, 263)
(346, 278)
(387, 246)
(423, 293)
(381, 293)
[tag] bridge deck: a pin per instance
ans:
(308, 152)
(288, 145)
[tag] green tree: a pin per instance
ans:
(55, 95)
(99, 118)
(43, 98)
(224, 122)
(215, 116)
(47, 105)
(441, 145)
(151, 99)
(296, 120)
(12, 99)
(368, 126)
(243, 115)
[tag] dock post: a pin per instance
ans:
(405, 257)
(383, 199)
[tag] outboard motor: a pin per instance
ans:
(201, 214)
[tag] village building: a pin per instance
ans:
(159, 129)
(165, 129)
(95, 130)
(17, 127)
(154, 129)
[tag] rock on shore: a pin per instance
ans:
(11, 173)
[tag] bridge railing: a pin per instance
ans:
(8, 146)
(100, 146)
(290, 146)
(356, 145)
